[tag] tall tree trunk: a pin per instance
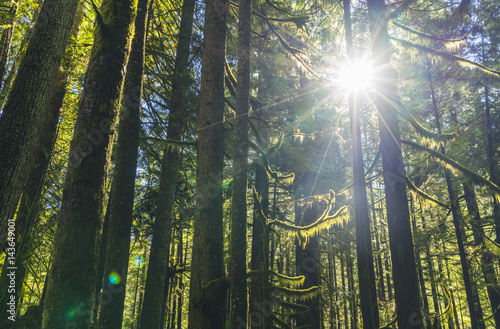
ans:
(26, 221)
(455, 312)
(18, 58)
(160, 246)
(406, 290)
(238, 269)
(208, 283)
(487, 264)
(122, 188)
(476, 312)
(353, 300)
(28, 102)
(70, 293)
(345, 290)
(378, 227)
(419, 268)
(366, 271)
(307, 264)
(386, 258)
(430, 268)
(256, 260)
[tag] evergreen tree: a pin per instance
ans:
(70, 292)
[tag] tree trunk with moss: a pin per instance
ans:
(307, 264)
(208, 284)
(28, 102)
(256, 260)
(160, 248)
(122, 189)
(70, 293)
(407, 297)
(238, 265)
(26, 220)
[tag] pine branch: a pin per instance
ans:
(429, 36)
(445, 55)
(451, 164)
(422, 195)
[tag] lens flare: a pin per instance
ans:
(138, 261)
(114, 278)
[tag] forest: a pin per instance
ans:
(249, 164)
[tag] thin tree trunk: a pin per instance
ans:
(71, 286)
(256, 294)
(476, 312)
(6, 40)
(420, 270)
(160, 246)
(407, 297)
(353, 300)
(487, 265)
(455, 312)
(430, 268)
(238, 268)
(386, 259)
(345, 291)
(378, 228)
(208, 284)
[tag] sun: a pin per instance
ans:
(356, 75)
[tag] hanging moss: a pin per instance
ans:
(323, 223)
(293, 281)
(455, 166)
(446, 55)
(428, 36)
(300, 294)
(422, 196)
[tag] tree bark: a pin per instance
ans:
(238, 268)
(70, 294)
(160, 246)
(208, 284)
(406, 290)
(256, 260)
(122, 189)
(6, 40)
(28, 102)
(28, 214)
(366, 271)
(306, 263)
